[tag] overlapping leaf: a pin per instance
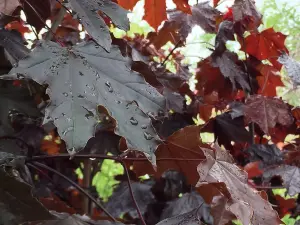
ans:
(268, 154)
(18, 99)
(292, 67)
(17, 205)
(8, 6)
(183, 144)
(189, 209)
(121, 202)
(87, 12)
(267, 111)
(12, 42)
(290, 176)
(180, 24)
(246, 203)
(155, 12)
(243, 8)
(85, 76)
(266, 45)
(228, 67)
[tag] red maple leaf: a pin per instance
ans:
(266, 45)
(155, 12)
(216, 2)
(266, 112)
(228, 15)
(269, 80)
(183, 5)
(184, 144)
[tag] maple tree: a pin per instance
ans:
(68, 103)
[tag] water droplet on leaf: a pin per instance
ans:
(148, 136)
(133, 121)
(108, 85)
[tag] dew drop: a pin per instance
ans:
(148, 136)
(108, 85)
(151, 114)
(133, 121)
(80, 96)
(65, 94)
(144, 126)
(80, 73)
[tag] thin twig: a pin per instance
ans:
(132, 195)
(40, 18)
(269, 187)
(59, 18)
(76, 186)
(43, 173)
(251, 125)
(171, 52)
(66, 8)
(99, 156)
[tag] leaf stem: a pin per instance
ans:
(76, 186)
(171, 52)
(132, 195)
(40, 18)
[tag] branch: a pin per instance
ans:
(56, 23)
(76, 186)
(40, 18)
(132, 195)
(171, 52)
(99, 156)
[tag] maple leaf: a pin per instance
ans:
(210, 79)
(266, 112)
(292, 67)
(188, 204)
(83, 77)
(216, 2)
(228, 67)
(183, 5)
(243, 8)
(227, 129)
(87, 12)
(268, 154)
(246, 203)
(269, 80)
(182, 144)
(179, 24)
(7, 7)
(13, 44)
(23, 207)
(266, 45)
(127, 4)
(189, 209)
(290, 176)
(286, 206)
(15, 99)
(121, 202)
(225, 33)
(155, 12)
(219, 212)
